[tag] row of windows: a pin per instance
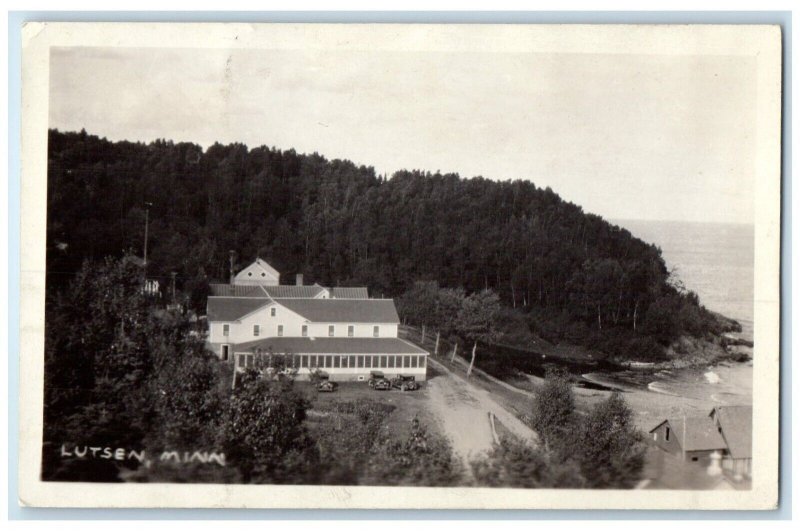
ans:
(369, 361)
(376, 330)
(327, 361)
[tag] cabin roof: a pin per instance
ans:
(737, 429)
(700, 433)
(331, 345)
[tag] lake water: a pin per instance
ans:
(715, 261)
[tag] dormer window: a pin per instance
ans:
(256, 330)
(350, 330)
(330, 330)
(376, 331)
(305, 331)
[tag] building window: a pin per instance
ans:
(225, 352)
(361, 362)
(352, 362)
(413, 362)
(368, 362)
(391, 362)
(272, 312)
(376, 331)
(313, 362)
(256, 330)
(304, 331)
(336, 361)
(280, 330)
(350, 331)
(330, 330)
(383, 362)
(303, 362)
(226, 330)
(422, 362)
(666, 436)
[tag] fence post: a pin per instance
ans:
(436, 349)
(472, 361)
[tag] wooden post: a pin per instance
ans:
(472, 361)
(436, 349)
(455, 348)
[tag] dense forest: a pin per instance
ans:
(571, 275)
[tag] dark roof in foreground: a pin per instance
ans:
(349, 293)
(737, 429)
(343, 310)
(331, 345)
(232, 308)
(700, 433)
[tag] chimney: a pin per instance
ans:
(299, 279)
(233, 259)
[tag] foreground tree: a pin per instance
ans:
(421, 459)
(514, 463)
(611, 449)
(264, 435)
(554, 413)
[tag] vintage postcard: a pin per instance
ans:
(400, 266)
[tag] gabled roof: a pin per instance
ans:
(700, 433)
(349, 293)
(268, 268)
(330, 345)
(233, 308)
(343, 310)
(737, 429)
(236, 290)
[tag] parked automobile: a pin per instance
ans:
(374, 376)
(326, 386)
(381, 384)
(405, 383)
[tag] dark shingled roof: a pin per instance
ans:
(737, 429)
(232, 308)
(349, 293)
(330, 345)
(700, 433)
(228, 290)
(343, 310)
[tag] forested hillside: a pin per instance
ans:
(572, 274)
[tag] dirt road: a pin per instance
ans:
(463, 410)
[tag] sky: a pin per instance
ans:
(653, 137)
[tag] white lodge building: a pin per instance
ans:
(339, 331)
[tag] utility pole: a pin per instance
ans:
(232, 254)
(147, 206)
(436, 350)
(174, 274)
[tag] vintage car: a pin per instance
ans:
(374, 376)
(405, 383)
(381, 384)
(326, 386)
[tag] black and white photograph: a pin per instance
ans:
(500, 261)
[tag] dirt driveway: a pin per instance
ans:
(464, 412)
